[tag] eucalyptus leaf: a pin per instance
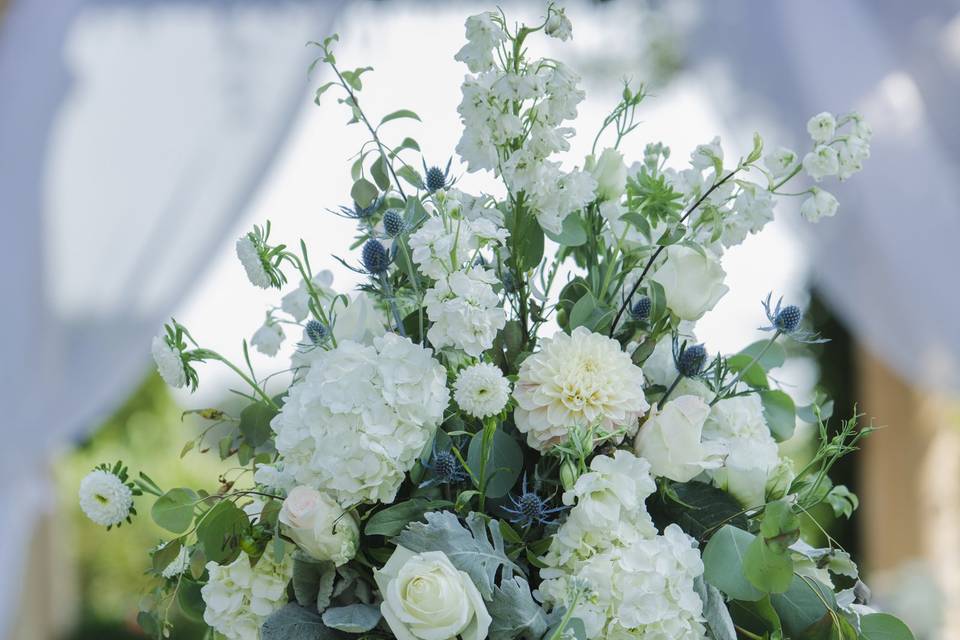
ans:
(723, 563)
(364, 192)
(573, 233)
(174, 510)
(802, 604)
(255, 423)
(219, 532)
(352, 618)
(883, 626)
(504, 465)
(780, 413)
(391, 521)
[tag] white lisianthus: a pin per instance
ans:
(481, 390)
(781, 161)
(821, 127)
(319, 525)
(239, 597)
(610, 172)
(253, 263)
(692, 282)
(359, 418)
(104, 498)
(820, 204)
(169, 362)
(426, 598)
(268, 338)
(821, 162)
(297, 302)
(558, 25)
(670, 440)
(465, 311)
(579, 380)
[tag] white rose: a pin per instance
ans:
(360, 322)
(821, 162)
(319, 525)
(425, 597)
(821, 204)
(746, 470)
(610, 172)
(693, 282)
(821, 127)
(670, 440)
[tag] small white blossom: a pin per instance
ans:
(781, 161)
(169, 362)
(297, 302)
(481, 390)
(821, 162)
(851, 152)
(558, 25)
(239, 598)
(268, 338)
(821, 127)
(465, 312)
(706, 156)
(104, 498)
(821, 204)
(610, 172)
(253, 263)
(483, 35)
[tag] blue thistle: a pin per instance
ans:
(641, 308)
(689, 360)
(393, 223)
(375, 258)
(529, 509)
(786, 320)
(444, 468)
(356, 212)
(317, 332)
(436, 178)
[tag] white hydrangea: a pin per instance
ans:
(820, 204)
(268, 338)
(642, 584)
(481, 390)
(274, 478)
(104, 498)
(358, 419)
(465, 311)
(297, 302)
(253, 263)
(443, 244)
(239, 598)
(579, 380)
(169, 362)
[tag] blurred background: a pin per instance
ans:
(140, 138)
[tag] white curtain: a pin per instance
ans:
(888, 262)
(132, 135)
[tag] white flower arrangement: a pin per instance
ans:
(629, 485)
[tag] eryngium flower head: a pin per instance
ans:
(393, 223)
(641, 308)
(788, 319)
(689, 360)
(436, 178)
(375, 258)
(529, 509)
(317, 332)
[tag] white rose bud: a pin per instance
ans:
(670, 440)
(693, 282)
(821, 162)
(610, 172)
(426, 598)
(319, 525)
(821, 204)
(822, 126)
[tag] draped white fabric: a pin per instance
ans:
(132, 135)
(888, 262)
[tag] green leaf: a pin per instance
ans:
(174, 510)
(191, 600)
(364, 192)
(321, 90)
(715, 611)
(573, 233)
(407, 143)
(723, 563)
(582, 311)
(515, 613)
(391, 521)
(310, 578)
(698, 508)
(503, 466)
(397, 115)
(759, 617)
(353, 618)
(255, 423)
(410, 174)
(780, 413)
(767, 570)
(166, 554)
(379, 172)
(883, 626)
(757, 149)
(219, 532)
(526, 238)
(802, 604)
(294, 622)
(478, 551)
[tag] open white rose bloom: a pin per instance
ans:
(508, 431)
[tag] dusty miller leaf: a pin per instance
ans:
(515, 613)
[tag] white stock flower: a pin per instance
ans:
(821, 162)
(319, 525)
(359, 418)
(239, 597)
(579, 380)
(268, 338)
(442, 245)
(692, 282)
(610, 172)
(169, 362)
(670, 440)
(704, 156)
(851, 152)
(481, 390)
(781, 161)
(253, 263)
(465, 311)
(297, 302)
(483, 35)
(821, 127)
(104, 498)
(821, 204)
(426, 598)
(558, 25)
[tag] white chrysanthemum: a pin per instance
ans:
(104, 498)
(240, 597)
(578, 380)
(268, 338)
(356, 422)
(481, 390)
(178, 565)
(169, 363)
(465, 311)
(253, 263)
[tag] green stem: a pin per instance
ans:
(756, 359)
(388, 293)
(489, 429)
(669, 390)
(207, 354)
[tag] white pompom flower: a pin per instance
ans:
(579, 380)
(481, 390)
(169, 362)
(105, 498)
(252, 262)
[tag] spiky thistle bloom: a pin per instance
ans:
(529, 509)
(444, 468)
(641, 308)
(786, 320)
(393, 223)
(375, 257)
(356, 212)
(436, 178)
(317, 332)
(689, 360)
